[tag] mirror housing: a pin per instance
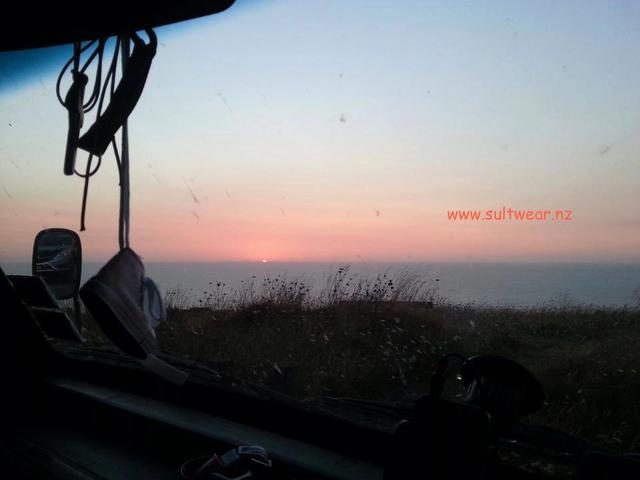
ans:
(503, 388)
(57, 259)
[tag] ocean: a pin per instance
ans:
(499, 284)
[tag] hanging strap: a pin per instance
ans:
(122, 101)
(123, 221)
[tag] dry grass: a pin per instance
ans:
(379, 339)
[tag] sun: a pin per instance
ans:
(265, 261)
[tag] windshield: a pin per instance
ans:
(331, 195)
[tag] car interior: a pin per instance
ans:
(130, 409)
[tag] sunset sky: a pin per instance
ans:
(344, 131)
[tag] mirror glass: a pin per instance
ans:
(57, 259)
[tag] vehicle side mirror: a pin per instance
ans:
(503, 388)
(57, 259)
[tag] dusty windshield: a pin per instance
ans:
(332, 195)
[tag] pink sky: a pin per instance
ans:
(305, 139)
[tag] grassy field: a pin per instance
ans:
(380, 339)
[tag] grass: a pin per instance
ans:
(380, 339)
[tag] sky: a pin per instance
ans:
(344, 131)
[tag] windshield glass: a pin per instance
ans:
(331, 195)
